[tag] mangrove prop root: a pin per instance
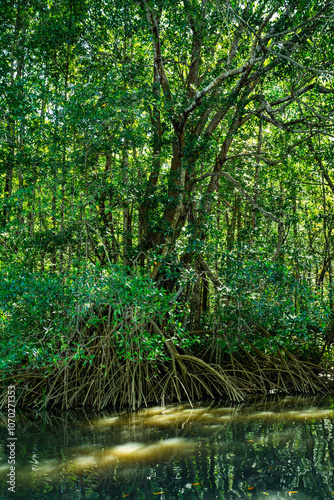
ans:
(108, 381)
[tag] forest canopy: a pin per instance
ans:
(166, 198)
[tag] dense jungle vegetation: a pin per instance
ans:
(166, 199)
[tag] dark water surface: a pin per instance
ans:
(276, 449)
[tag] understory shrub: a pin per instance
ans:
(46, 320)
(268, 305)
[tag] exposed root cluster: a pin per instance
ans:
(108, 382)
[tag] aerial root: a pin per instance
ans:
(131, 384)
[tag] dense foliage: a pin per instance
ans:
(166, 180)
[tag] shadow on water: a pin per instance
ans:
(277, 448)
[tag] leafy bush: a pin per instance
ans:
(259, 292)
(46, 319)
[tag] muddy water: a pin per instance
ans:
(277, 449)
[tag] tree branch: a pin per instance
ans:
(219, 79)
(298, 65)
(153, 23)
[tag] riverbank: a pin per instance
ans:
(109, 383)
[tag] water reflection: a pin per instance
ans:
(278, 448)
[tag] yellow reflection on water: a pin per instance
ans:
(175, 416)
(123, 454)
(135, 432)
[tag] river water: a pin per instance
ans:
(278, 448)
